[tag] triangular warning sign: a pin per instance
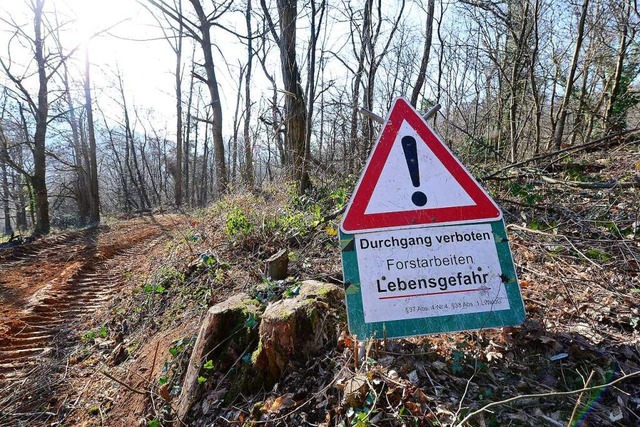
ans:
(412, 179)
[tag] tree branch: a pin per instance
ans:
(539, 395)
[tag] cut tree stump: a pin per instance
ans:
(225, 322)
(298, 327)
(278, 265)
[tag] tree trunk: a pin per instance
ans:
(355, 160)
(310, 92)
(5, 189)
(615, 123)
(178, 76)
(21, 202)
(187, 137)
(39, 178)
(295, 107)
(249, 179)
(216, 104)
(81, 165)
(94, 191)
(564, 107)
(425, 55)
(178, 173)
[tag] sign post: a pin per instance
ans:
(424, 247)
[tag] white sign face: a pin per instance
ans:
(430, 272)
(394, 190)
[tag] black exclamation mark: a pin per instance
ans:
(411, 156)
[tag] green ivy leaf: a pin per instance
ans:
(251, 321)
(202, 380)
(208, 365)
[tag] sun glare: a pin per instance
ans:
(91, 18)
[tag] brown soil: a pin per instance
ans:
(49, 290)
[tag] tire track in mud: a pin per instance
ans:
(33, 340)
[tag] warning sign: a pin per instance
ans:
(413, 180)
(424, 247)
(435, 272)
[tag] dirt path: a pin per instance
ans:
(48, 287)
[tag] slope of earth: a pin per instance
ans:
(48, 290)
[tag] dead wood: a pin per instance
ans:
(574, 148)
(592, 185)
(220, 325)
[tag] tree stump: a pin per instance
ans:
(298, 327)
(278, 265)
(221, 322)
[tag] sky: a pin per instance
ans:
(132, 45)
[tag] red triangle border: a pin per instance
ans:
(355, 219)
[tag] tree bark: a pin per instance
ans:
(612, 122)
(249, 179)
(216, 104)
(178, 77)
(295, 106)
(39, 178)
(94, 191)
(425, 55)
(8, 230)
(564, 107)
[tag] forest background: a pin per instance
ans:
(136, 106)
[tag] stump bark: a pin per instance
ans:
(223, 322)
(278, 265)
(298, 327)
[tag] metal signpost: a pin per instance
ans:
(424, 247)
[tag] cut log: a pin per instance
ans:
(225, 322)
(298, 327)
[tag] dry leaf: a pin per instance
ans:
(164, 393)
(283, 402)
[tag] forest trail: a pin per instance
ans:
(48, 287)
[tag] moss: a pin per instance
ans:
(254, 302)
(256, 353)
(311, 310)
(325, 290)
(283, 311)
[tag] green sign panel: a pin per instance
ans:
(408, 282)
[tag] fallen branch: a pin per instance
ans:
(555, 153)
(592, 185)
(577, 405)
(540, 395)
(122, 383)
(528, 230)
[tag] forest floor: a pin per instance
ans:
(101, 322)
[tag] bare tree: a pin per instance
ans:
(295, 105)
(425, 53)
(8, 230)
(94, 191)
(614, 120)
(248, 146)
(201, 32)
(568, 90)
(46, 66)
